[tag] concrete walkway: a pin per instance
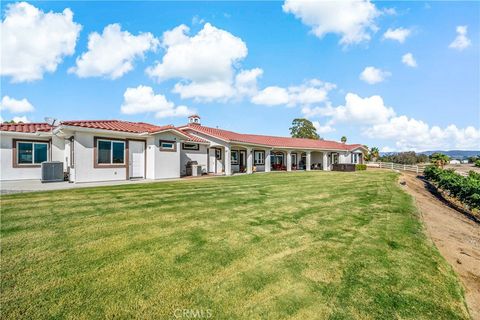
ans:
(17, 186)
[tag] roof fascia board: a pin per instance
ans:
(106, 131)
(174, 131)
(210, 135)
(26, 134)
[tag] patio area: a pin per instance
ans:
(19, 186)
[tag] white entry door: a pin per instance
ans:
(136, 159)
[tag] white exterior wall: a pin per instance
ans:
(199, 155)
(7, 171)
(58, 151)
(84, 160)
(150, 158)
(163, 164)
(344, 157)
(212, 161)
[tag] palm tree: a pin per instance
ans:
(374, 153)
(440, 159)
(343, 139)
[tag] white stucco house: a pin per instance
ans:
(105, 150)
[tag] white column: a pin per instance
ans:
(267, 161)
(228, 161)
(249, 160)
(309, 161)
(325, 161)
(289, 160)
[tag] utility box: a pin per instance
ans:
(196, 170)
(52, 171)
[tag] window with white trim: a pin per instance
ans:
(259, 157)
(234, 157)
(29, 153)
(190, 146)
(167, 145)
(110, 152)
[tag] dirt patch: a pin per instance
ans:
(455, 235)
(463, 168)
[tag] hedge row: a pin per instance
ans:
(466, 189)
(360, 167)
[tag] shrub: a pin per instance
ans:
(359, 167)
(466, 189)
(477, 163)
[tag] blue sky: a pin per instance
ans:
(304, 62)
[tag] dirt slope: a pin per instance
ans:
(456, 237)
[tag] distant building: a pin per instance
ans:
(454, 161)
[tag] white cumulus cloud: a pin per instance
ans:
(409, 60)
(271, 96)
(15, 106)
(461, 42)
(413, 134)
(205, 63)
(353, 20)
(22, 119)
(246, 81)
(310, 92)
(377, 121)
(372, 75)
(357, 110)
(399, 34)
(142, 99)
(111, 54)
(323, 129)
(35, 42)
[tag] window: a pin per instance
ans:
(334, 158)
(166, 145)
(259, 157)
(218, 154)
(234, 157)
(31, 153)
(110, 152)
(354, 158)
(190, 146)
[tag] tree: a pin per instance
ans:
(303, 128)
(343, 139)
(374, 153)
(439, 159)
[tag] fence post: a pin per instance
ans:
(391, 165)
(404, 168)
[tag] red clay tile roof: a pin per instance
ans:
(117, 125)
(142, 127)
(194, 138)
(25, 127)
(270, 141)
(127, 126)
(114, 125)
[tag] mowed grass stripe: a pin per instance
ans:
(280, 245)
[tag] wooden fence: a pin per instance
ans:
(417, 168)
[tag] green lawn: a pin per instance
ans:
(281, 245)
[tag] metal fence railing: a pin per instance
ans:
(417, 168)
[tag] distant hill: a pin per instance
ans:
(454, 154)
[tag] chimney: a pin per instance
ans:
(194, 119)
